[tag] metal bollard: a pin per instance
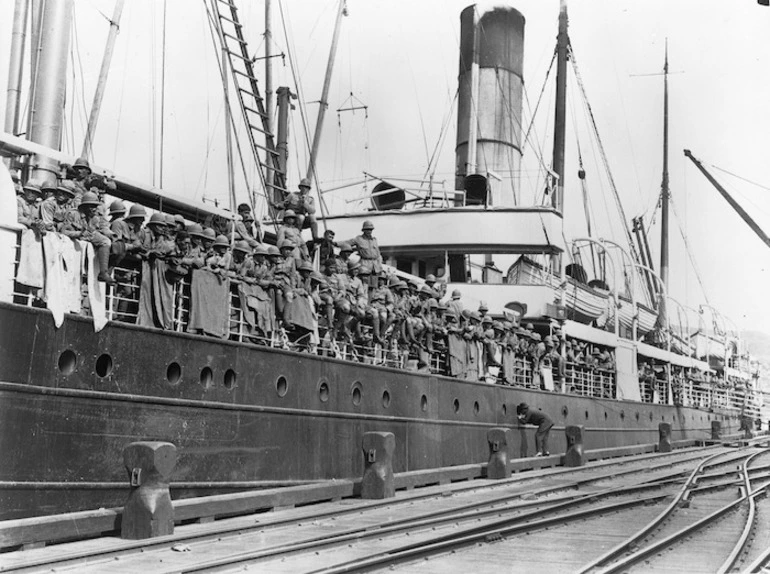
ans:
(716, 430)
(498, 466)
(378, 465)
(574, 455)
(664, 430)
(148, 511)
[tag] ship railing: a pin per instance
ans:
(590, 381)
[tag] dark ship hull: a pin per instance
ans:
(243, 416)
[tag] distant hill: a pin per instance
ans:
(759, 345)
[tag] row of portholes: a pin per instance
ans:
(68, 363)
(104, 365)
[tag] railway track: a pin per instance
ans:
(647, 513)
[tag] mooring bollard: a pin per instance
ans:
(664, 430)
(378, 479)
(574, 455)
(498, 466)
(148, 511)
(716, 430)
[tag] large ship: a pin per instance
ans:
(78, 385)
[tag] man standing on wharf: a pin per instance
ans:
(527, 416)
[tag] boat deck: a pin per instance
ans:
(615, 511)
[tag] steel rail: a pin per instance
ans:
(728, 564)
(759, 564)
(166, 541)
(436, 518)
(455, 513)
(474, 535)
(624, 545)
(439, 517)
(640, 554)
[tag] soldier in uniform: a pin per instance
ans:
(85, 224)
(342, 259)
(381, 308)
(53, 210)
(326, 247)
(289, 231)
(302, 205)
(367, 247)
(455, 306)
(219, 261)
(28, 207)
(246, 229)
(358, 296)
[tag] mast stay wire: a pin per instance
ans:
(603, 154)
(290, 50)
(122, 92)
(690, 255)
(740, 177)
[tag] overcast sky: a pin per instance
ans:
(400, 58)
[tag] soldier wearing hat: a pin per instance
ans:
(121, 233)
(156, 242)
(86, 224)
(28, 207)
(54, 208)
(244, 228)
(220, 260)
(455, 305)
(380, 310)
(367, 247)
(358, 296)
(344, 255)
(80, 173)
(303, 206)
(285, 275)
(290, 231)
(180, 259)
(242, 264)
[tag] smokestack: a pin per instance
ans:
(491, 82)
(45, 125)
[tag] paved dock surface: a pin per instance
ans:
(694, 510)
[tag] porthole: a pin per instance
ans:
(622, 415)
(476, 407)
(207, 377)
(68, 362)
(564, 411)
(423, 403)
(586, 415)
(385, 399)
(504, 409)
(230, 378)
(637, 416)
(356, 393)
(104, 365)
(456, 405)
(323, 391)
(174, 374)
(605, 415)
(663, 418)
(281, 386)
(650, 416)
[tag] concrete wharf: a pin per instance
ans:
(698, 508)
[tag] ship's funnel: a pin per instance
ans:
(490, 91)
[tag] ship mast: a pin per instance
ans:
(664, 199)
(560, 119)
(323, 104)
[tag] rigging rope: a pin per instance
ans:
(688, 250)
(603, 154)
(302, 111)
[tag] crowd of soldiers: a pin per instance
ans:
(353, 296)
